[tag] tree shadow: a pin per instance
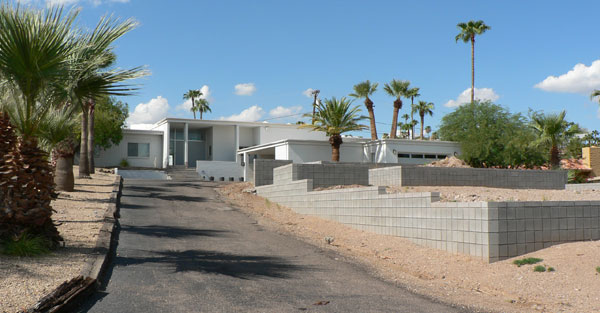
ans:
(171, 231)
(168, 197)
(138, 188)
(132, 206)
(212, 262)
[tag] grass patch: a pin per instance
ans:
(551, 269)
(25, 246)
(526, 261)
(539, 268)
(598, 269)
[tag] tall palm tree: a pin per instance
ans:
(398, 89)
(192, 94)
(412, 93)
(423, 108)
(467, 33)
(364, 90)
(552, 130)
(428, 130)
(202, 106)
(35, 47)
(335, 117)
(595, 94)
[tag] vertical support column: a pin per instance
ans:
(166, 145)
(185, 149)
(237, 142)
(246, 167)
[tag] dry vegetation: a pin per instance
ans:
(502, 286)
(24, 280)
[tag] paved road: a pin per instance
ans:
(182, 250)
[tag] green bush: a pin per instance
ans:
(576, 177)
(598, 269)
(124, 163)
(539, 268)
(525, 261)
(25, 246)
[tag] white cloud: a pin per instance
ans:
(581, 79)
(308, 92)
(187, 104)
(246, 89)
(281, 111)
(251, 114)
(480, 93)
(150, 112)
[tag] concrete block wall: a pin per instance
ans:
(263, 171)
(443, 176)
(323, 175)
(580, 187)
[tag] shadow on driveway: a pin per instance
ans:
(172, 232)
(212, 262)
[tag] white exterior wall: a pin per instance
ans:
(271, 133)
(246, 137)
(223, 142)
(113, 156)
(281, 152)
(218, 169)
(311, 152)
(164, 128)
(384, 150)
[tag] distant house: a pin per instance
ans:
(227, 146)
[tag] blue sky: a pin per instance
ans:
(276, 50)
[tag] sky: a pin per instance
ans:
(256, 60)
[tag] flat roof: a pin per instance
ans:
(220, 122)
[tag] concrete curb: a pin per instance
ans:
(95, 267)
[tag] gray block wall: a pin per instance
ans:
(489, 230)
(323, 175)
(580, 187)
(443, 176)
(263, 170)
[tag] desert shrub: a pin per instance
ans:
(124, 163)
(491, 136)
(576, 177)
(539, 268)
(598, 269)
(527, 261)
(25, 245)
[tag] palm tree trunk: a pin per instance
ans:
(422, 123)
(193, 109)
(84, 164)
(200, 114)
(472, 68)
(335, 141)
(554, 157)
(369, 105)
(412, 120)
(90, 142)
(397, 106)
(64, 178)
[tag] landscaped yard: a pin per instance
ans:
(501, 286)
(23, 281)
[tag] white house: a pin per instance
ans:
(224, 148)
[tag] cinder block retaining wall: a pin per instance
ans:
(263, 171)
(490, 230)
(443, 176)
(578, 187)
(323, 175)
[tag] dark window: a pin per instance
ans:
(132, 149)
(441, 156)
(138, 150)
(430, 156)
(416, 156)
(404, 155)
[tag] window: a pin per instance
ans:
(404, 155)
(138, 150)
(416, 156)
(430, 156)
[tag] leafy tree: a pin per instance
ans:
(573, 148)
(423, 108)
(554, 131)
(468, 31)
(192, 94)
(490, 136)
(398, 89)
(412, 93)
(335, 117)
(109, 121)
(364, 90)
(591, 139)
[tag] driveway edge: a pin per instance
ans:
(71, 293)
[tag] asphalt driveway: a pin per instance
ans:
(182, 250)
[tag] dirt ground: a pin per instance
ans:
(23, 281)
(574, 286)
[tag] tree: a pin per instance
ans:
(335, 117)
(428, 131)
(490, 136)
(315, 94)
(398, 89)
(423, 108)
(412, 93)
(192, 95)
(364, 90)
(109, 122)
(468, 31)
(553, 131)
(595, 94)
(202, 106)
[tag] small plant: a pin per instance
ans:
(551, 269)
(268, 203)
(526, 261)
(25, 245)
(124, 163)
(544, 198)
(598, 269)
(539, 268)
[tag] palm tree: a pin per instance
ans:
(595, 94)
(398, 89)
(364, 90)
(192, 95)
(202, 106)
(423, 108)
(467, 33)
(552, 130)
(335, 117)
(34, 62)
(428, 130)
(412, 93)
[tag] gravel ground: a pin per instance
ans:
(23, 281)
(458, 279)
